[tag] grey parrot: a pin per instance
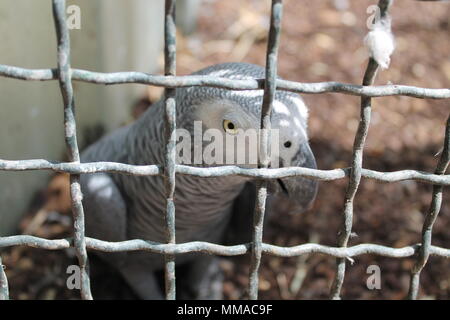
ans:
(216, 209)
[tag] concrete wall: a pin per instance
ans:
(115, 35)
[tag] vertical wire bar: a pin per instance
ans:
(4, 291)
(170, 148)
(65, 82)
(261, 185)
(433, 211)
(355, 175)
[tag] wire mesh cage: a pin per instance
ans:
(65, 75)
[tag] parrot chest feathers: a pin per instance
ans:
(201, 210)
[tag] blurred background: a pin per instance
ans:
(321, 40)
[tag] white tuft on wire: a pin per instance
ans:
(380, 42)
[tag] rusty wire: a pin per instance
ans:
(65, 75)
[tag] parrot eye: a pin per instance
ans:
(288, 144)
(229, 127)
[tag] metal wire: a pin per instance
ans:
(218, 82)
(65, 75)
(357, 158)
(70, 131)
(153, 170)
(170, 151)
(435, 207)
(263, 159)
(4, 290)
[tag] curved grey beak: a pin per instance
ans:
(300, 192)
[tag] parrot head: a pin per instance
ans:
(225, 128)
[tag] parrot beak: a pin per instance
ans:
(298, 191)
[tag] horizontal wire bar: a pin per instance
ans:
(262, 173)
(211, 248)
(78, 168)
(225, 83)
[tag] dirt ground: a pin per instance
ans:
(321, 41)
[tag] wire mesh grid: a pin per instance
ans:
(65, 75)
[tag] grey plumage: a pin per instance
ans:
(120, 207)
